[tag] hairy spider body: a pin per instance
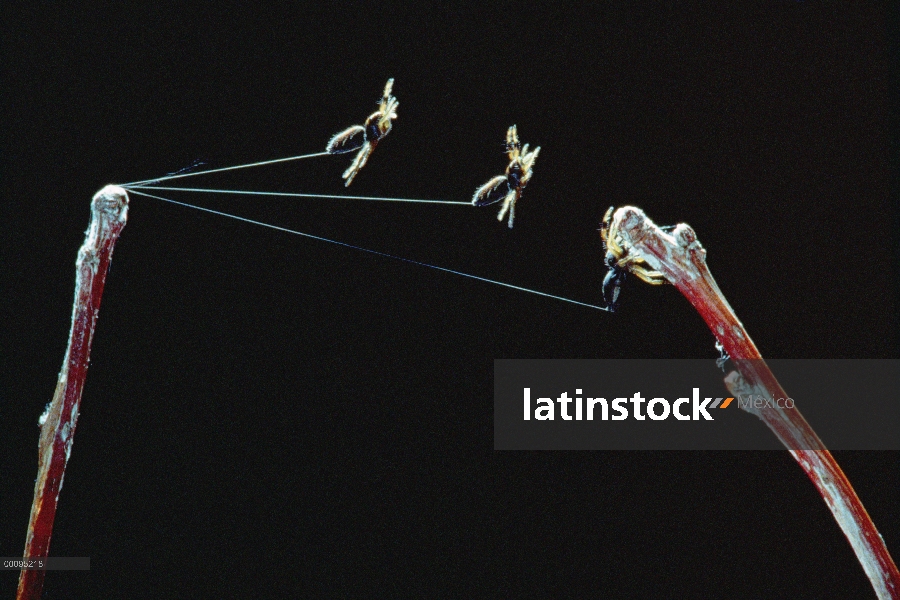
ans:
(619, 263)
(509, 187)
(365, 137)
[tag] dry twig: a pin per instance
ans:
(109, 210)
(682, 260)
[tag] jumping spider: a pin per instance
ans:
(723, 359)
(365, 137)
(509, 187)
(620, 263)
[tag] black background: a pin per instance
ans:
(265, 412)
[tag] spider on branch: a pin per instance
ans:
(619, 263)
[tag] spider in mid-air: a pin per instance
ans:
(620, 263)
(365, 137)
(509, 187)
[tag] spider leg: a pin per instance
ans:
(367, 154)
(348, 140)
(378, 124)
(613, 246)
(604, 227)
(507, 203)
(358, 163)
(386, 96)
(529, 159)
(493, 191)
(384, 125)
(512, 143)
(651, 277)
(388, 113)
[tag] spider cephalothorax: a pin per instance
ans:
(619, 263)
(365, 137)
(509, 187)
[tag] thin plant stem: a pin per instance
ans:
(109, 211)
(681, 258)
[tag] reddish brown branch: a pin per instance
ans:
(682, 260)
(109, 210)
